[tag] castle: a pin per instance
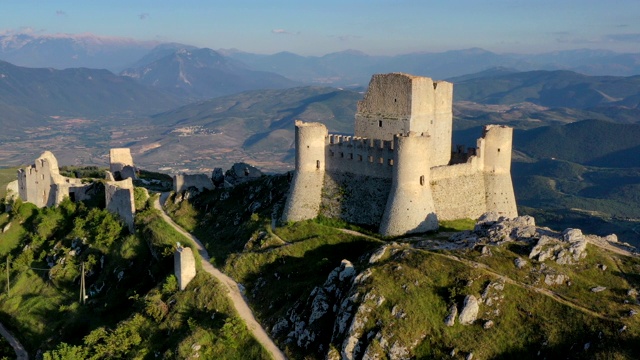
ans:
(398, 171)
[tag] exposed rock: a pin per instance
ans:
(611, 238)
(488, 324)
(598, 289)
(469, 311)
(520, 263)
(602, 267)
(486, 251)
(555, 279)
(632, 292)
(498, 229)
(241, 172)
(450, 320)
(568, 249)
(378, 254)
(6, 228)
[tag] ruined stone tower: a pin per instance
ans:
(396, 172)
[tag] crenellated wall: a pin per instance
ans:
(359, 156)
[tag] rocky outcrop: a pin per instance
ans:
(470, 309)
(569, 248)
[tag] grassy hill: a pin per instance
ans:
(133, 308)
(402, 291)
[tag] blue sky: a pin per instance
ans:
(375, 27)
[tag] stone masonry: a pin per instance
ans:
(184, 265)
(400, 163)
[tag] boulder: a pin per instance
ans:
(469, 311)
(450, 320)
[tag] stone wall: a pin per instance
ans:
(458, 191)
(119, 200)
(358, 199)
(359, 156)
(42, 185)
(182, 182)
(184, 266)
(121, 163)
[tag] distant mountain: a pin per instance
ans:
(27, 95)
(613, 96)
(352, 67)
(589, 142)
(201, 73)
(62, 51)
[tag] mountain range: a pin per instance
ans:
(345, 68)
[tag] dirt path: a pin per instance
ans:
(21, 353)
(237, 299)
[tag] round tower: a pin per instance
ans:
(496, 161)
(305, 193)
(410, 207)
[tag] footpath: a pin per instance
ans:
(21, 353)
(234, 293)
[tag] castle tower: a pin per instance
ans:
(398, 103)
(495, 156)
(305, 193)
(410, 207)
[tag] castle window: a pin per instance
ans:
(422, 180)
(390, 162)
(498, 149)
(395, 100)
(359, 157)
(370, 158)
(342, 155)
(380, 160)
(331, 153)
(351, 156)
(317, 164)
(379, 123)
(307, 146)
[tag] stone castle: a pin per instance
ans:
(398, 171)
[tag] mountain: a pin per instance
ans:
(201, 73)
(61, 51)
(257, 125)
(584, 142)
(29, 96)
(614, 96)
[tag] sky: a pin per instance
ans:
(311, 27)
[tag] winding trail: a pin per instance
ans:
(21, 353)
(234, 293)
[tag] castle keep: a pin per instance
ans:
(397, 172)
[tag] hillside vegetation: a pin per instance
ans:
(133, 307)
(329, 293)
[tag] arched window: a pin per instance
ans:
(422, 180)
(317, 164)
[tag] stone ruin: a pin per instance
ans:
(184, 265)
(42, 185)
(121, 164)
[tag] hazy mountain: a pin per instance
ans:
(63, 51)
(201, 73)
(28, 95)
(616, 97)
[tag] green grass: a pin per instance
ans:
(457, 225)
(7, 175)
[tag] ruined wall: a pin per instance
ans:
(121, 163)
(410, 207)
(305, 194)
(182, 182)
(42, 185)
(119, 200)
(184, 266)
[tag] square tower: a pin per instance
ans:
(398, 103)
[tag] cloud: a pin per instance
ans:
(284, 32)
(143, 16)
(60, 13)
(631, 37)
